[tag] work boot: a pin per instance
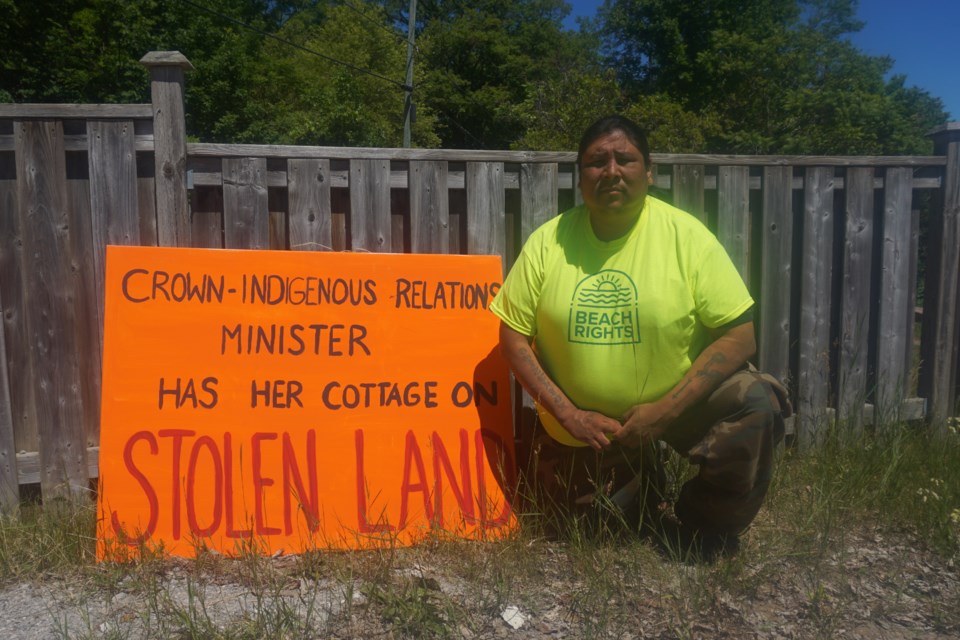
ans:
(684, 544)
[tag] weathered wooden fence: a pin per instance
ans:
(828, 245)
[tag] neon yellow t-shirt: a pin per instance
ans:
(619, 323)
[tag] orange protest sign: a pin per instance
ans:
(294, 401)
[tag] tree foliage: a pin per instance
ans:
(745, 76)
(316, 101)
(559, 109)
(779, 76)
(480, 59)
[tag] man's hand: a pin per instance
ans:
(590, 427)
(644, 423)
(587, 426)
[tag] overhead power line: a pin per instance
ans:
(373, 21)
(324, 56)
(408, 100)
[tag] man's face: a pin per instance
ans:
(613, 176)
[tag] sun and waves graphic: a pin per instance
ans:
(604, 310)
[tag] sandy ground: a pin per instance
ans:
(871, 588)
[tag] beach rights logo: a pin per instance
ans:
(604, 310)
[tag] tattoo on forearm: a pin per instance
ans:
(707, 371)
(678, 392)
(533, 365)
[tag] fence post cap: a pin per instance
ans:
(166, 59)
(944, 129)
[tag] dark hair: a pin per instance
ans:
(609, 124)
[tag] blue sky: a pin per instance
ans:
(922, 36)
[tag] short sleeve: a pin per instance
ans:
(516, 302)
(720, 294)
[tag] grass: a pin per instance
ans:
(855, 525)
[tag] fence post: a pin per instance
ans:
(167, 69)
(9, 484)
(940, 306)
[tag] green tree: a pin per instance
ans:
(558, 110)
(89, 51)
(73, 51)
(304, 98)
(480, 57)
(778, 76)
(749, 76)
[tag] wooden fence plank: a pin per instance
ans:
(538, 196)
(911, 363)
(486, 210)
(855, 296)
(206, 173)
(577, 194)
(146, 202)
(88, 329)
(688, 189)
(114, 219)
(483, 155)
(246, 222)
(429, 207)
(20, 381)
(76, 111)
(941, 316)
(896, 306)
(167, 70)
(113, 187)
(816, 268)
(309, 213)
(277, 234)
(29, 465)
(777, 263)
(206, 224)
(49, 294)
(9, 490)
(733, 216)
(371, 228)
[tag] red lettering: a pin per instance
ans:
(259, 483)
(178, 435)
(195, 528)
(228, 490)
(412, 455)
(503, 469)
(464, 492)
(145, 485)
(307, 495)
(363, 523)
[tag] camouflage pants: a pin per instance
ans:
(730, 435)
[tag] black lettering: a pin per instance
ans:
(357, 334)
(125, 287)
(481, 392)
(462, 394)
(326, 396)
(295, 337)
(279, 394)
(160, 279)
(440, 295)
(403, 292)
(164, 391)
(370, 295)
(350, 397)
(209, 386)
(430, 394)
(257, 392)
(226, 333)
(184, 393)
